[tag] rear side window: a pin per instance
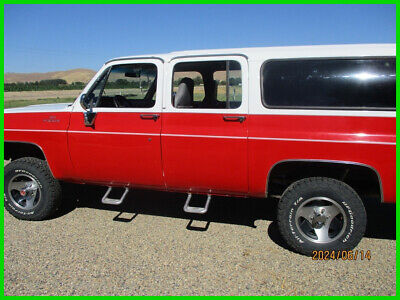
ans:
(330, 84)
(207, 85)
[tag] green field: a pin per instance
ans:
(235, 95)
(21, 103)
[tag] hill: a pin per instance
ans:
(82, 75)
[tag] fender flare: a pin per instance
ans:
(326, 161)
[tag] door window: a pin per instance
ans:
(207, 84)
(126, 86)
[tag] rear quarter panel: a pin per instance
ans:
(364, 140)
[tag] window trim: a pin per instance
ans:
(209, 55)
(133, 58)
(263, 102)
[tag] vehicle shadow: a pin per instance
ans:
(231, 210)
(239, 211)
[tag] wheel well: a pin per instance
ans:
(15, 150)
(362, 178)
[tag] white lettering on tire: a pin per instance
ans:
(292, 227)
(298, 201)
(351, 222)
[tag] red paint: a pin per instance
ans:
(120, 159)
(170, 154)
(54, 144)
(263, 154)
(202, 163)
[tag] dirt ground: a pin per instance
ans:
(149, 246)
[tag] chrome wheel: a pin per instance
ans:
(24, 191)
(321, 220)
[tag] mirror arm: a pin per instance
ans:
(91, 106)
(89, 116)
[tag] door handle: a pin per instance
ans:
(234, 118)
(149, 117)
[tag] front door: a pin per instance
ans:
(204, 133)
(123, 145)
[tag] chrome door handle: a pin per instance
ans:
(150, 117)
(234, 118)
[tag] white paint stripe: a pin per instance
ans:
(320, 141)
(76, 131)
(35, 130)
(206, 136)
(119, 133)
(278, 139)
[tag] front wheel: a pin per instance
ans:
(30, 190)
(321, 214)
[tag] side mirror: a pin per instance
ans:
(89, 115)
(86, 99)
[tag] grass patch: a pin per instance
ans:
(198, 96)
(21, 103)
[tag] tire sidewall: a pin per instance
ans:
(348, 201)
(20, 168)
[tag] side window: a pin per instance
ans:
(129, 86)
(330, 83)
(207, 84)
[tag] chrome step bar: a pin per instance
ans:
(111, 201)
(196, 210)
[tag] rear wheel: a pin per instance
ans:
(30, 190)
(321, 214)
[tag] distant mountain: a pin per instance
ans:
(82, 75)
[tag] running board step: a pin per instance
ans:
(196, 210)
(111, 201)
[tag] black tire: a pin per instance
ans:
(47, 197)
(310, 197)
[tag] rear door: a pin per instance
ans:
(123, 145)
(204, 136)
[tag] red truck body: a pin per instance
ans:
(194, 157)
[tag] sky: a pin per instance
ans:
(43, 38)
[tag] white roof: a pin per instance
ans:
(261, 53)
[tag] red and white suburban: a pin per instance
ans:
(313, 126)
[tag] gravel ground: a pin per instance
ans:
(148, 246)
